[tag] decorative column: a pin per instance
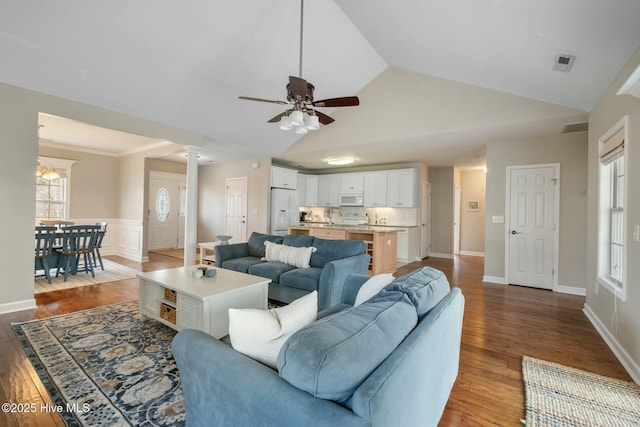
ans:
(191, 211)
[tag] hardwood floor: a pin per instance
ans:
(501, 324)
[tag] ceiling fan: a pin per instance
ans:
(302, 115)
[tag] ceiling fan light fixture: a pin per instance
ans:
(341, 161)
(313, 122)
(285, 123)
(296, 118)
(300, 129)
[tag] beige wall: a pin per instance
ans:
(167, 166)
(570, 150)
(211, 196)
(19, 110)
(95, 183)
(442, 192)
(472, 187)
(622, 334)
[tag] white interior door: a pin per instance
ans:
(425, 220)
(532, 225)
(236, 218)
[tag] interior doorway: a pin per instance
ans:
(533, 225)
(425, 220)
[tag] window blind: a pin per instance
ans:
(612, 148)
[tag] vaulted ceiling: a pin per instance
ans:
(437, 79)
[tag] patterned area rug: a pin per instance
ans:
(560, 396)
(106, 367)
(112, 272)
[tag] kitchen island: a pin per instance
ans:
(382, 242)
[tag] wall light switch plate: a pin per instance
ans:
(497, 219)
(636, 233)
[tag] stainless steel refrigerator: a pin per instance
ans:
(285, 205)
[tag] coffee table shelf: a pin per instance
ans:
(201, 303)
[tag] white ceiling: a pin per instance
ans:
(479, 70)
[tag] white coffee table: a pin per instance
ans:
(177, 299)
(207, 246)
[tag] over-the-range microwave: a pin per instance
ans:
(351, 199)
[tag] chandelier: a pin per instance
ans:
(47, 172)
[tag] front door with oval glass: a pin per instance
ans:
(164, 210)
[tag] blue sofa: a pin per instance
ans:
(391, 361)
(331, 263)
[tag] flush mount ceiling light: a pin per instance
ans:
(339, 161)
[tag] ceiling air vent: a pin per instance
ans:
(563, 63)
(575, 127)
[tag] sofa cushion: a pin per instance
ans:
(372, 286)
(302, 278)
(241, 264)
(425, 288)
(260, 334)
(299, 241)
(291, 255)
(270, 270)
(256, 243)
(331, 250)
(331, 357)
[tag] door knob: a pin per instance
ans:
(514, 232)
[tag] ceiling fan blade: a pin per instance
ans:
(279, 116)
(345, 101)
(248, 98)
(324, 119)
(297, 87)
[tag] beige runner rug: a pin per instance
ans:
(112, 272)
(560, 396)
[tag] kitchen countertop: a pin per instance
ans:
(349, 227)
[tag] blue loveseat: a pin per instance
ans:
(331, 263)
(391, 361)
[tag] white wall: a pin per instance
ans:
(618, 323)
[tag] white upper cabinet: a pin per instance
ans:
(328, 190)
(351, 183)
(284, 178)
(401, 188)
(308, 190)
(375, 189)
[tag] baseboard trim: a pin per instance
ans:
(571, 290)
(625, 359)
(494, 279)
(437, 255)
(10, 307)
(471, 253)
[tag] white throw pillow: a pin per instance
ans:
(372, 287)
(299, 257)
(259, 334)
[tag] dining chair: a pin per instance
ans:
(98, 244)
(78, 242)
(45, 237)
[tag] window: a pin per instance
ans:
(611, 219)
(52, 195)
(50, 199)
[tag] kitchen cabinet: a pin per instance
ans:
(351, 183)
(325, 233)
(308, 190)
(328, 190)
(284, 178)
(311, 190)
(375, 189)
(401, 188)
